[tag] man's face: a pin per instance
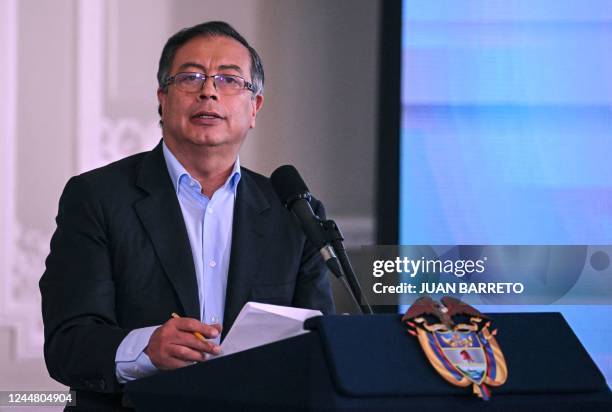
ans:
(207, 118)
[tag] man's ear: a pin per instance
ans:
(161, 98)
(257, 103)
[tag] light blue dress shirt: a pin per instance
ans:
(209, 228)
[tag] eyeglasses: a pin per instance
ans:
(192, 82)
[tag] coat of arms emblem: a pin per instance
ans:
(457, 341)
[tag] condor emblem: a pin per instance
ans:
(458, 343)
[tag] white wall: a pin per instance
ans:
(77, 87)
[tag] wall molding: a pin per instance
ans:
(100, 139)
(22, 250)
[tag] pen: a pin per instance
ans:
(196, 334)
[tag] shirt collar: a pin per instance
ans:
(177, 171)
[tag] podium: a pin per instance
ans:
(371, 363)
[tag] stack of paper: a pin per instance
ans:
(259, 324)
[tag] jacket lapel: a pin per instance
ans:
(161, 216)
(250, 225)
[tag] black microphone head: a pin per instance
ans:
(289, 185)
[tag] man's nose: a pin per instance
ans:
(208, 90)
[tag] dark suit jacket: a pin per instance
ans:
(120, 259)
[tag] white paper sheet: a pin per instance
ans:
(259, 324)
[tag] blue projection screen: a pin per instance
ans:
(507, 130)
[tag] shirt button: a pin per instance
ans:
(212, 263)
(209, 211)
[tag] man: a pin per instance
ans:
(181, 229)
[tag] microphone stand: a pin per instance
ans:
(345, 272)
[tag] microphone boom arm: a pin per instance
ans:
(346, 274)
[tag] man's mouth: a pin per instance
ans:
(207, 115)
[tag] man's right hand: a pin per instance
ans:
(174, 345)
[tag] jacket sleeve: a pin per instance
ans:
(78, 295)
(313, 289)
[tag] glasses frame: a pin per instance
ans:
(247, 85)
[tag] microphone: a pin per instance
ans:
(325, 235)
(295, 195)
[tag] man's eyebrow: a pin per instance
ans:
(202, 68)
(189, 65)
(230, 67)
